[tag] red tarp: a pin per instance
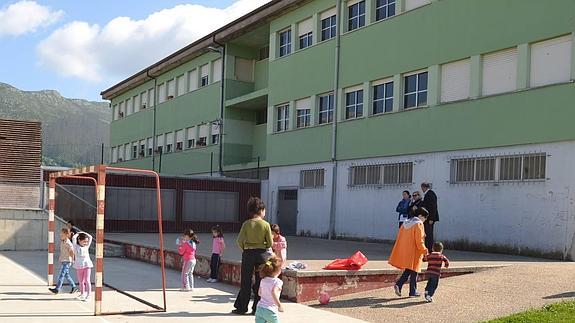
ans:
(354, 262)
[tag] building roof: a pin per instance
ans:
(232, 30)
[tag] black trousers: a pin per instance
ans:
(428, 235)
(214, 266)
(412, 275)
(432, 283)
(251, 260)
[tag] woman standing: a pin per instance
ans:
(416, 203)
(408, 251)
(403, 208)
(254, 239)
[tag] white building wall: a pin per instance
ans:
(536, 215)
(313, 204)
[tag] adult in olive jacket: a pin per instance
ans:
(430, 204)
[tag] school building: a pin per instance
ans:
(337, 106)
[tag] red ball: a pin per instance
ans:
(324, 298)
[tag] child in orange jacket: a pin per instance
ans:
(408, 251)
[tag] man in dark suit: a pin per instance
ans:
(429, 203)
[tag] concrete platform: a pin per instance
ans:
(306, 285)
(24, 296)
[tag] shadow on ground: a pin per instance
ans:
(561, 295)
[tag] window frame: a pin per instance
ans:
(306, 40)
(385, 7)
(359, 175)
(357, 106)
(417, 91)
(330, 30)
(318, 178)
(284, 49)
(282, 117)
(330, 108)
(387, 97)
(359, 19)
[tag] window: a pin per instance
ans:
(171, 89)
(169, 142)
(142, 151)
(127, 148)
(115, 111)
(500, 72)
(473, 170)
(384, 9)
(412, 4)
(193, 80)
(498, 168)
(150, 146)
(382, 174)
(244, 69)
(285, 43)
(354, 104)
(303, 113)
(215, 133)
(382, 96)
(415, 94)
(264, 53)
(282, 117)
(455, 81)
(326, 104)
(217, 70)
(159, 144)
(129, 107)
(203, 138)
(312, 178)
(120, 153)
(161, 93)
(143, 100)
(180, 140)
(204, 78)
(122, 112)
(152, 97)
(191, 135)
(305, 33)
(114, 154)
(181, 84)
(551, 61)
(356, 15)
(136, 100)
(328, 24)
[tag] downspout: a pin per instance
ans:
(222, 107)
(154, 127)
(332, 207)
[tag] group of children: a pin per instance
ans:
(409, 252)
(75, 253)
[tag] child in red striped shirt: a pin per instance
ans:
(434, 262)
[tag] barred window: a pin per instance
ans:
(312, 178)
(498, 168)
(383, 174)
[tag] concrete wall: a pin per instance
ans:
(521, 217)
(23, 229)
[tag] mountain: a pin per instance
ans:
(72, 129)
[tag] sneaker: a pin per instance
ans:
(214, 281)
(53, 290)
(84, 299)
(210, 280)
(397, 290)
(428, 298)
(416, 294)
(80, 297)
(184, 289)
(238, 312)
(73, 290)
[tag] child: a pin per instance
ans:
(408, 250)
(187, 249)
(279, 245)
(434, 262)
(218, 246)
(269, 292)
(66, 257)
(83, 263)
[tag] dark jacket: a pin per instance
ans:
(402, 208)
(430, 204)
(414, 205)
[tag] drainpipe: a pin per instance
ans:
(222, 52)
(154, 127)
(332, 207)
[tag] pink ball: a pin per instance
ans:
(324, 298)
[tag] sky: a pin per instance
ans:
(80, 48)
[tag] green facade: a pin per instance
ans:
(423, 38)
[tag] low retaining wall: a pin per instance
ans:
(23, 229)
(299, 286)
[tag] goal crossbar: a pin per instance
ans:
(99, 180)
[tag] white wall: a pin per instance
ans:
(313, 204)
(536, 215)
